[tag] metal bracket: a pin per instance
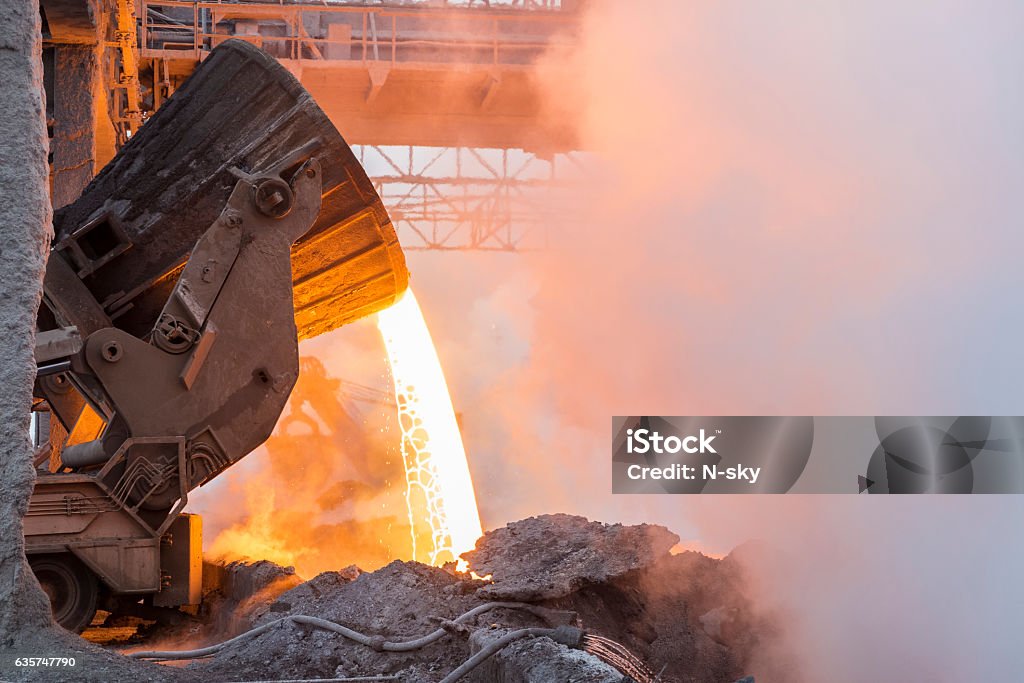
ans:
(93, 245)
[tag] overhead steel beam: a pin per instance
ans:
(457, 73)
(468, 199)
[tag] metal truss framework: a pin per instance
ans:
(471, 199)
(509, 32)
(439, 198)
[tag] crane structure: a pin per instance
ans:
(441, 99)
(224, 173)
(468, 198)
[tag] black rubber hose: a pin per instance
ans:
(378, 643)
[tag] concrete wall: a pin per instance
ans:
(25, 231)
(83, 137)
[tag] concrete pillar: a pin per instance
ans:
(83, 137)
(25, 231)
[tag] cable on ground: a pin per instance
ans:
(375, 642)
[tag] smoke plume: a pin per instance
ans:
(789, 209)
(786, 208)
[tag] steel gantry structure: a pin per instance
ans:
(466, 198)
(441, 98)
(405, 73)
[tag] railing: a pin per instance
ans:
(388, 34)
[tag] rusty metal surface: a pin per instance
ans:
(181, 563)
(73, 513)
(235, 222)
(223, 397)
(169, 183)
(70, 300)
(58, 343)
(127, 566)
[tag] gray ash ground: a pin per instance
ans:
(93, 664)
(403, 600)
(687, 616)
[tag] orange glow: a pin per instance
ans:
(329, 490)
(319, 494)
(251, 540)
(440, 497)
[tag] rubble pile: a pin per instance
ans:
(538, 659)
(552, 556)
(403, 600)
(235, 595)
(686, 616)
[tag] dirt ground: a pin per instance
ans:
(686, 616)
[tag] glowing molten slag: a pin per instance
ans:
(440, 497)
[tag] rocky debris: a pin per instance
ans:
(537, 660)
(403, 601)
(686, 616)
(242, 580)
(651, 612)
(552, 556)
(248, 589)
(693, 615)
(624, 584)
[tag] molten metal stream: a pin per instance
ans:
(439, 494)
(617, 655)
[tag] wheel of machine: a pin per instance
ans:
(71, 587)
